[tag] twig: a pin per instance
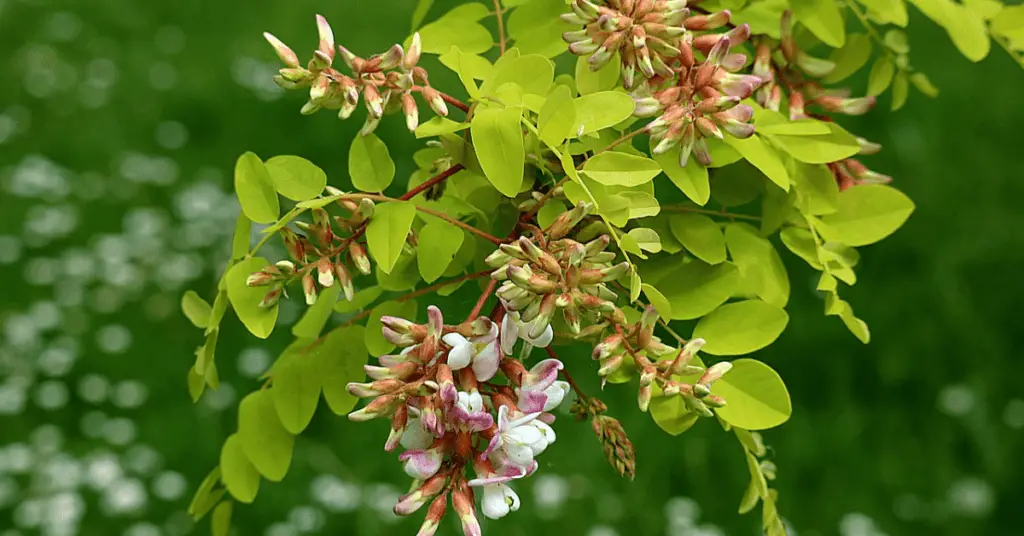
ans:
(447, 98)
(682, 208)
(441, 177)
(482, 300)
(568, 377)
(623, 138)
(498, 12)
(486, 236)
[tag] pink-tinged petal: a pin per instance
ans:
(555, 395)
(519, 421)
(547, 418)
(504, 474)
(435, 321)
(485, 364)
(460, 356)
(454, 339)
(421, 464)
(531, 400)
(494, 444)
(542, 375)
(478, 422)
(449, 394)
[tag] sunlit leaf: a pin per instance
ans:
(741, 328)
(756, 398)
(296, 178)
(245, 300)
(266, 442)
(387, 232)
(255, 190)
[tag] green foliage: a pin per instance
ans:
(245, 300)
(387, 232)
(295, 177)
(758, 399)
(369, 164)
(255, 189)
(498, 142)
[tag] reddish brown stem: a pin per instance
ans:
(448, 98)
(493, 239)
(439, 178)
(483, 299)
(568, 377)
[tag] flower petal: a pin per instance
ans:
(454, 339)
(509, 334)
(555, 395)
(460, 356)
(421, 464)
(493, 504)
(485, 364)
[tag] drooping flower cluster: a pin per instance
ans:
(448, 415)
(319, 254)
(550, 272)
(385, 81)
(648, 35)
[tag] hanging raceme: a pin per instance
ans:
(566, 208)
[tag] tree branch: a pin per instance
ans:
(441, 177)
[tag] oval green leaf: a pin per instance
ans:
(866, 214)
(264, 439)
(255, 190)
(387, 232)
(439, 241)
(196, 309)
(296, 178)
(246, 300)
(700, 235)
(498, 141)
(237, 472)
(755, 396)
(741, 328)
(341, 356)
(370, 164)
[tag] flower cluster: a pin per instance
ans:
(449, 416)
(551, 272)
(648, 35)
(385, 81)
(319, 254)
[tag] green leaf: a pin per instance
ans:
(498, 140)
(370, 164)
(817, 191)
(612, 168)
(240, 239)
(924, 85)
(316, 315)
(700, 235)
(601, 110)
(603, 79)
(801, 242)
(531, 72)
(297, 381)
(266, 442)
(819, 149)
(755, 397)
(438, 244)
(1009, 23)
(469, 67)
(436, 126)
(880, 76)
(965, 27)
(763, 157)
(536, 27)
(741, 328)
(459, 28)
(849, 59)
(387, 232)
(635, 285)
(557, 118)
(692, 180)
(866, 214)
(237, 472)
(671, 414)
(646, 239)
(296, 178)
(362, 299)
(246, 300)
(762, 16)
(376, 344)
(196, 384)
(900, 88)
(759, 263)
(695, 288)
(823, 19)
(220, 524)
(196, 309)
(255, 190)
(551, 210)
(220, 306)
(420, 13)
(886, 11)
(658, 300)
(769, 122)
(341, 356)
(205, 497)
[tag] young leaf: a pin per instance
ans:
(558, 117)
(671, 414)
(264, 439)
(297, 381)
(387, 232)
(537, 28)
(469, 67)
(531, 72)
(436, 126)
(755, 397)
(362, 299)
(246, 300)
(240, 239)
(370, 164)
(341, 356)
(763, 157)
(741, 328)
(296, 178)
(646, 239)
(196, 384)
(658, 300)
(759, 263)
(220, 524)
(601, 110)
(498, 140)
(880, 76)
(838, 144)
(203, 501)
(255, 190)
(885, 11)
(816, 188)
(866, 214)
(801, 242)
(823, 19)
(900, 89)
(316, 315)
(695, 288)
(438, 243)
(692, 180)
(459, 28)
(237, 472)
(965, 27)
(612, 168)
(700, 235)
(772, 123)
(420, 13)
(196, 309)
(849, 59)
(603, 79)
(551, 210)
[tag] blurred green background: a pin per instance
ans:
(119, 126)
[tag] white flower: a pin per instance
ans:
(499, 499)
(481, 352)
(520, 439)
(512, 329)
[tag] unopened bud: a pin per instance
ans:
(271, 298)
(359, 258)
(325, 272)
(610, 365)
(643, 398)
(392, 58)
(411, 112)
(345, 279)
(378, 407)
(259, 279)
(286, 54)
(326, 44)
(434, 515)
(815, 67)
(436, 102)
(309, 288)
(414, 500)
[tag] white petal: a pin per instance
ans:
(486, 362)
(523, 435)
(520, 455)
(415, 436)
(493, 504)
(546, 431)
(454, 339)
(475, 402)
(460, 356)
(511, 499)
(556, 393)
(509, 334)
(544, 339)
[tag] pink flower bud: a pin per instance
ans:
(434, 515)
(271, 298)
(286, 54)
(309, 288)
(644, 397)
(436, 102)
(412, 113)
(415, 499)
(359, 258)
(462, 502)
(715, 372)
(326, 37)
(259, 279)
(709, 22)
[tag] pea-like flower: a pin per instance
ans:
(480, 352)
